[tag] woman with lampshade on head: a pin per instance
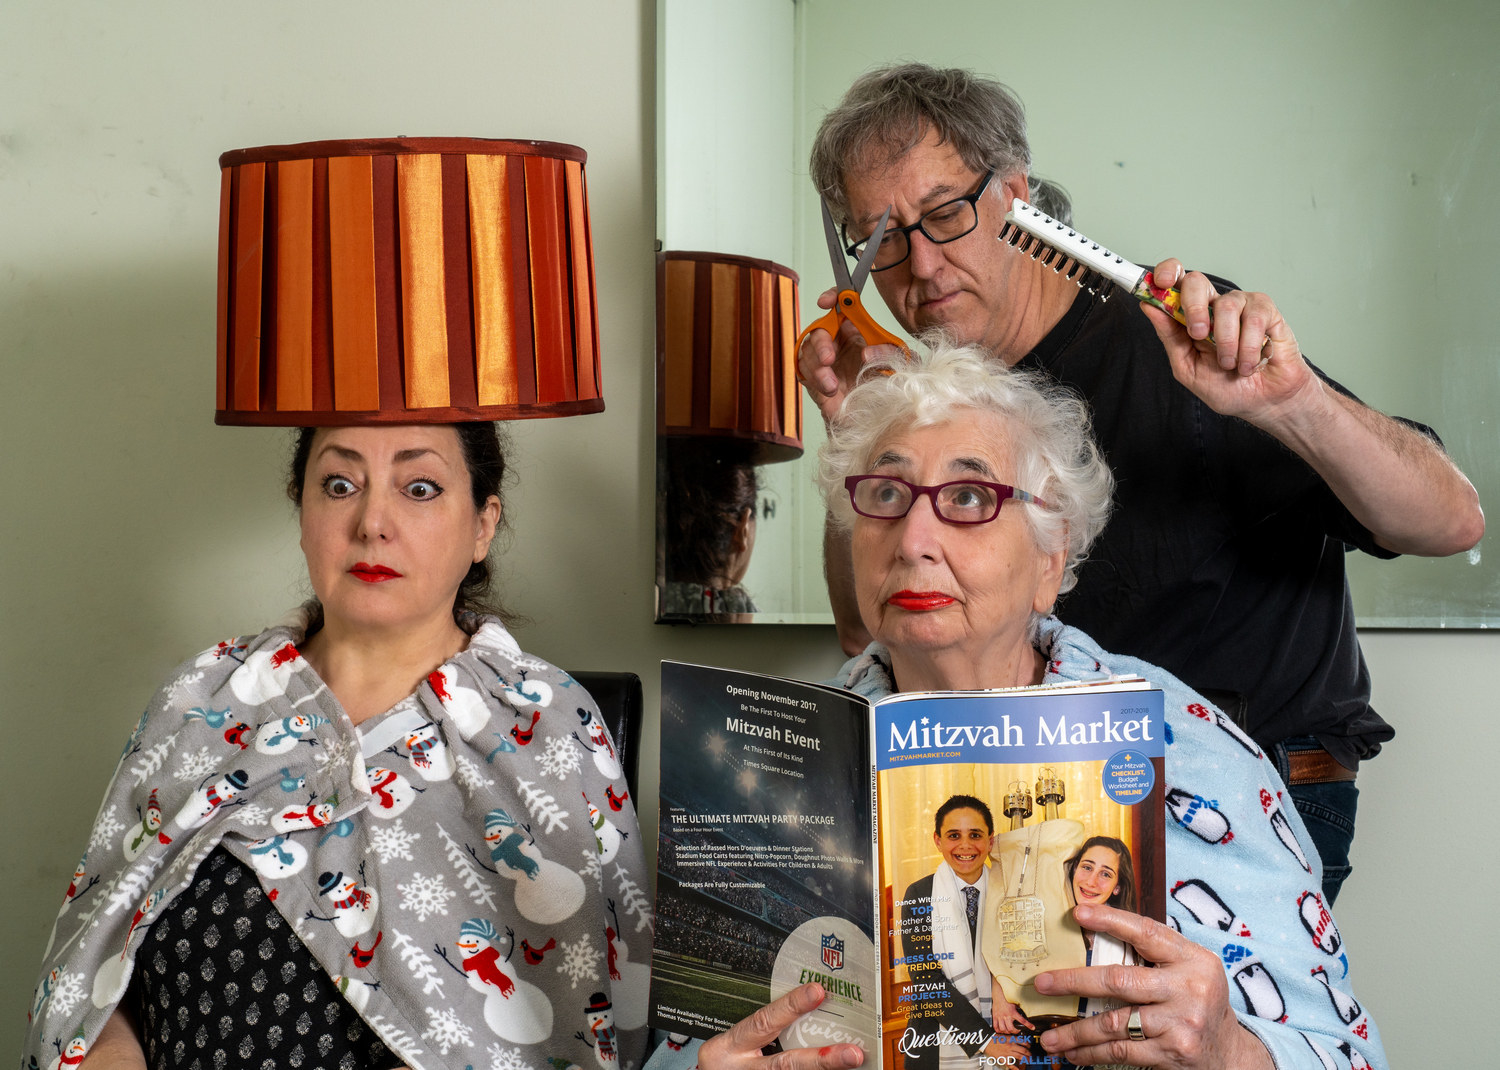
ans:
(374, 847)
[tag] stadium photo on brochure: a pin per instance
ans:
(760, 864)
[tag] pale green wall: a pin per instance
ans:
(135, 532)
(727, 162)
(1415, 912)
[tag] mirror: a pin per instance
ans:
(728, 408)
(1337, 159)
(728, 182)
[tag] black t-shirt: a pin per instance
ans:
(1223, 561)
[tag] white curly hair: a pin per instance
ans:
(1046, 429)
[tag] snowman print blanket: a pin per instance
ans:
(467, 866)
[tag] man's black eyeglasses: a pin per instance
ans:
(947, 222)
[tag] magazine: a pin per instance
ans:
(918, 856)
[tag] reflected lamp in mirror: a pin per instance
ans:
(402, 280)
(727, 401)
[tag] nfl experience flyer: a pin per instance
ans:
(919, 857)
(763, 862)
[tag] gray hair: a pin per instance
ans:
(888, 111)
(1046, 430)
(1050, 197)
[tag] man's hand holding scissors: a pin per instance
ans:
(834, 347)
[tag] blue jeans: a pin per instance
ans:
(1328, 812)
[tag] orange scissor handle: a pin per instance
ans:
(847, 306)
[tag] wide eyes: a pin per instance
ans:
(338, 486)
(420, 490)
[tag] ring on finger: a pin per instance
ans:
(1133, 1028)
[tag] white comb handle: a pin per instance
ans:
(1070, 243)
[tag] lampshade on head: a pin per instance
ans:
(405, 280)
(726, 335)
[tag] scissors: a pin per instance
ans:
(846, 304)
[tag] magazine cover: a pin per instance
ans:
(997, 814)
(764, 875)
(993, 814)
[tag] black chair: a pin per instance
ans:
(618, 695)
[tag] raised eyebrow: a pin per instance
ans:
(355, 456)
(342, 451)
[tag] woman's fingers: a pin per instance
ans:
(1104, 1038)
(1181, 1008)
(1183, 968)
(766, 1024)
(1165, 1039)
(1153, 940)
(739, 1047)
(833, 1057)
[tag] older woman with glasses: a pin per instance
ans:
(972, 493)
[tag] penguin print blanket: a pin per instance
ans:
(467, 866)
(1243, 878)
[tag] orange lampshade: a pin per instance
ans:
(402, 280)
(726, 338)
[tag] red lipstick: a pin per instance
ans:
(920, 601)
(373, 573)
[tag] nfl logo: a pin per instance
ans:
(833, 952)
